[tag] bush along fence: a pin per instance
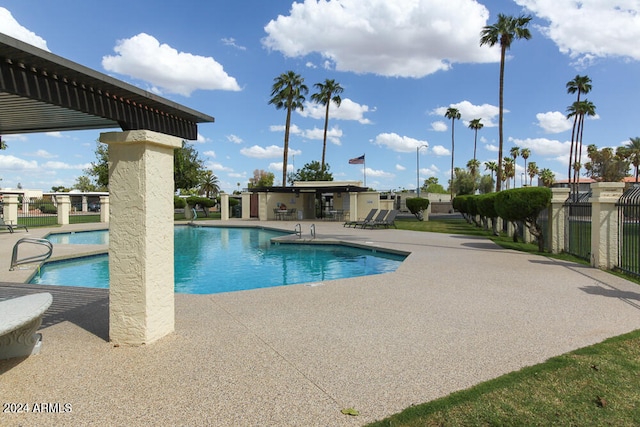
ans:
(601, 226)
(53, 210)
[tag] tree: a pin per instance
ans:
(328, 92)
(491, 166)
(504, 31)
(631, 152)
(532, 171)
(84, 184)
(476, 125)
(453, 114)
(605, 165)
(261, 178)
(60, 189)
(463, 184)
(417, 206)
(515, 152)
(525, 153)
(288, 92)
(431, 185)
(313, 172)
(580, 84)
(209, 184)
(99, 169)
(485, 185)
(473, 165)
(524, 204)
(509, 168)
(579, 110)
(187, 167)
(547, 177)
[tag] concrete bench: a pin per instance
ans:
(20, 318)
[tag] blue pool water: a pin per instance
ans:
(213, 259)
(95, 237)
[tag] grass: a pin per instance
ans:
(596, 385)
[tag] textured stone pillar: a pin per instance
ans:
(104, 208)
(353, 206)
(10, 210)
(141, 295)
(557, 219)
(604, 223)
(64, 207)
(224, 207)
(262, 207)
(246, 205)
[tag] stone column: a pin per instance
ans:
(141, 294)
(64, 207)
(246, 205)
(10, 210)
(224, 207)
(353, 206)
(262, 207)
(85, 205)
(604, 223)
(104, 208)
(557, 219)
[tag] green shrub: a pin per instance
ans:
(524, 204)
(486, 205)
(48, 208)
(179, 202)
(417, 206)
(203, 202)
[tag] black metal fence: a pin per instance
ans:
(543, 221)
(43, 212)
(578, 226)
(629, 232)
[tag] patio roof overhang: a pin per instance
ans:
(43, 92)
(316, 189)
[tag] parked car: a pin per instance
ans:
(94, 207)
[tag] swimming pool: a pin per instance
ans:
(93, 237)
(216, 259)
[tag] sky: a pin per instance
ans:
(401, 63)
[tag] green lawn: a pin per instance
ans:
(596, 385)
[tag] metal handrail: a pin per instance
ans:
(41, 257)
(313, 230)
(298, 230)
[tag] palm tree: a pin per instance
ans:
(580, 84)
(288, 92)
(515, 152)
(476, 126)
(632, 152)
(509, 168)
(473, 165)
(209, 184)
(532, 171)
(525, 153)
(547, 177)
(491, 166)
(504, 31)
(579, 110)
(453, 114)
(328, 92)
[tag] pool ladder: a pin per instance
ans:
(312, 230)
(34, 258)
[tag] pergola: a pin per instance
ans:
(43, 92)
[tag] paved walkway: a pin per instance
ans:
(459, 311)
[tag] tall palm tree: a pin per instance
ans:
(288, 92)
(453, 114)
(525, 153)
(209, 184)
(632, 152)
(504, 31)
(491, 166)
(532, 171)
(473, 165)
(328, 92)
(547, 177)
(580, 84)
(509, 168)
(515, 152)
(579, 110)
(476, 126)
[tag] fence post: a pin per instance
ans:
(604, 223)
(104, 208)
(10, 208)
(64, 207)
(557, 219)
(224, 207)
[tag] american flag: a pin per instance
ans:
(357, 160)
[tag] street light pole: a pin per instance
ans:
(418, 166)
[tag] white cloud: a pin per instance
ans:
(547, 148)
(395, 142)
(230, 41)
(403, 39)
(44, 154)
(310, 64)
(210, 153)
(269, 152)
(333, 135)
(217, 167)
(16, 164)
(202, 139)
(12, 28)
(293, 129)
(554, 122)
(439, 126)
(487, 113)
(432, 170)
(348, 110)
(234, 138)
(590, 29)
(143, 57)
(54, 134)
(277, 167)
(378, 173)
(492, 148)
(64, 166)
(400, 168)
(439, 150)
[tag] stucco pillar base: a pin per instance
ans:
(64, 207)
(224, 207)
(141, 294)
(10, 208)
(104, 208)
(557, 218)
(604, 223)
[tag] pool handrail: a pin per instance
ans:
(40, 257)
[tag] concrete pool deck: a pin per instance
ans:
(460, 310)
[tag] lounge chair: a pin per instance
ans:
(379, 218)
(387, 222)
(368, 218)
(11, 227)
